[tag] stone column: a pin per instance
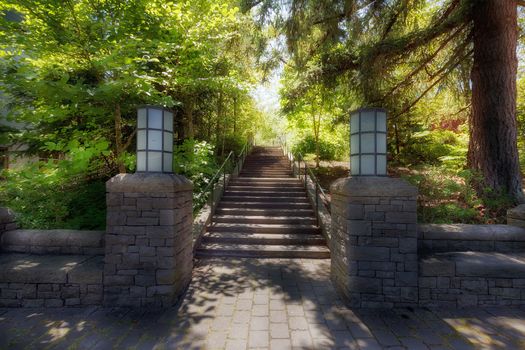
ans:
(374, 241)
(148, 259)
(7, 220)
(516, 216)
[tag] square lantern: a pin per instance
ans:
(154, 140)
(368, 142)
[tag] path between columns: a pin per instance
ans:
(248, 303)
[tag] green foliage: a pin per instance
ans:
(447, 196)
(196, 161)
(44, 196)
(328, 148)
(77, 70)
(436, 147)
(74, 72)
(234, 143)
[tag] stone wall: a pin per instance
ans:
(53, 242)
(148, 258)
(50, 281)
(516, 216)
(471, 265)
(434, 238)
(374, 241)
(7, 221)
(464, 279)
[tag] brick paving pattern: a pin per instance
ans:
(262, 304)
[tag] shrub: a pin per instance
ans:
(435, 147)
(328, 149)
(195, 160)
(446, 196)
(45, 197)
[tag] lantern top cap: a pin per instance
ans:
(162, 108)
(368, 109)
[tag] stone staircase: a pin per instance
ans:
(264, 213)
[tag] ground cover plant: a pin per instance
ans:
(72, 74)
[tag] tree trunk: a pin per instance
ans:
(218, 128)
(396, 133)
(118, 140)
(188, 116)
(493, 148)
(235, 107)
(317, 123)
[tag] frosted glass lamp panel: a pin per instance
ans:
(368, 121)
(155, 161)
(381, 121)
(354, 165)
(141, 161)
(155, 119)
(142, 121)
(168, 142)
(368, 143)
(141, 139)
(381, 165)
(354, 144)
(381, 143)
(168, 162)
(354, 123)
(368, 165)
(155, 140)
(168, 121)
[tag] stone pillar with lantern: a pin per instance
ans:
(374, 223)
(148, 257)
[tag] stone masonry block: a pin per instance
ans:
(367, 253)
(404, 217)
(157, 210)
(374, 241)
(359, 227)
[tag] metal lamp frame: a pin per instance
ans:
(146, 149)
(375, 132)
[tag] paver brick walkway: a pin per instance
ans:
(263, 304)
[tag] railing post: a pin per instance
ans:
(212, 190)
(224, 175)
(317, 202)
(305, 183)
(299, 164)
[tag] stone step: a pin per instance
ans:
(267, 156)
(263, 219)
(282, 199)
(241, 210)
(263, 238)
(265, 174)
(264, 205)
(262, 168)
(283, 180)
(264, 213)
(269, 160)
(263, 228)
(268, 166)
(255, 169)
(295, 194)
(262, 251)
(278, 183)
(266, 188)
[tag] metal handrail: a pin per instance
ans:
(210, 188)
(307, 172)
